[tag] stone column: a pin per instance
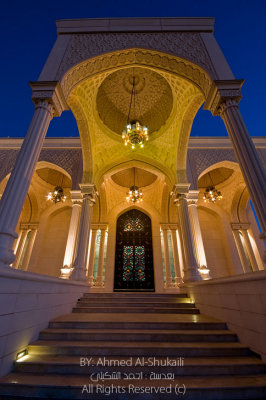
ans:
(168, 274)
(92, 257)
(49, 101)
(241, 251)
(99, 279)
(191, 272)
(26, 260)
(20, 248)
(79, 266)
(197, 236)
(223, 100)
(72, 233)
(178, 279)
(250, 250)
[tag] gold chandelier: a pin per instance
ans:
(134, 133)
(134, 195)
(211, 194)
(57, 195)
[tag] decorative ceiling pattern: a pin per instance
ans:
(153, 100)
(165, 145)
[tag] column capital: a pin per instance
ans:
(89, 191)
(101, 226)
(51, 92)
(221, 92)
(179, 191)
(236, 226)
(76, 196)
(169, 226)
(192, 197)
(29, 225)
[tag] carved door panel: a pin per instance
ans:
(134, 256)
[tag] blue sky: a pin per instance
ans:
(28, 32)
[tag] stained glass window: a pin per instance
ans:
(128, 263)
(139, 263)
(133, 225)
(134, 271)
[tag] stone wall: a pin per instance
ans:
(238, 300)
(28, 302)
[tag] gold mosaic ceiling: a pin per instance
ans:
(153, 101)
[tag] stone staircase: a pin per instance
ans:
(142, 346)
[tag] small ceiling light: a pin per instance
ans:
(211, 194)
(134, 134)
(134, 195)
(57, 195)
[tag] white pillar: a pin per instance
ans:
(72, 234)
(197, 238)
(178, 278)
(241, 252)
(20, 248)
(250, 164)
(92, 257)
(223, 100)
(191, 272)
(99, 279)
(168, 274)
(30, 245)
(250, 250)
(80, 263)
(49, 101)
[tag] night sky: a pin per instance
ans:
(28, 32)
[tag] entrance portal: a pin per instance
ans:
(134, 256)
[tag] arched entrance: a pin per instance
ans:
(134, 255)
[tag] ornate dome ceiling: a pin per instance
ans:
(125, 178)
(153, 101)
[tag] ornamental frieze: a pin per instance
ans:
(150, 58)
(187, 45)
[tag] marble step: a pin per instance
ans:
(137, 300)
(127, 304)
(106, 348)
(70, 387)
(179, 367)
(138, 335)
(136, 295)
(140, 309)
(136, 321)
